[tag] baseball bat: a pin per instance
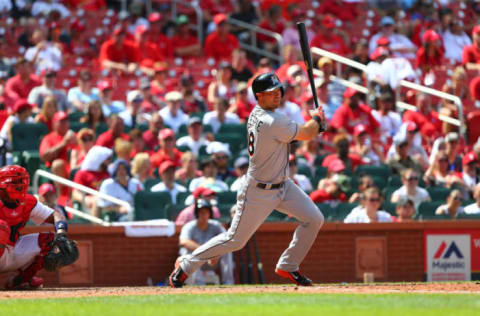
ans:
(241, 271)
(302, 33)
(249, 264)
(261, 279)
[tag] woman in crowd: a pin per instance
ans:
(410, 189)
(142, 167)
(453, 206)
(94, 114)
(439, 174)
(364, 183)
(81, 95)
(370, 211)
(222, 86)
(49, 108)
(85, 141)
(189, 169)
(430, 55)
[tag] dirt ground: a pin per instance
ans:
(378, 288)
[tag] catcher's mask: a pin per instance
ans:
(14, 181)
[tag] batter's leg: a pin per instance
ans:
(297, 203)
(253, 207)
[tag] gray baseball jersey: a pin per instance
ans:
(269, 135)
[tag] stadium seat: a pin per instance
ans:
(379, 181)
(327, 211)
(31, 161)
(76, 126)
(149, 183)
(235, 141)
(75, 116)
(27, 136)
(394, 181)
(388, 191)
(225, 215)
(305, 170)
(240, 129)
(383, 171)
(173, 211)
(101, 128)
(426, 210)
(342, 210)
(227, 197)
(151, 205)
(438, 193)
(182, 196)
(468, 216)
(183, 148)
(390, 208)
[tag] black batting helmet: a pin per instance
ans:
(202, 203)
(266, 82)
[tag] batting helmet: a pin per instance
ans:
(266, 82)
(202, 203)
(14, 181)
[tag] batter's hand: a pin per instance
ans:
(319, 113)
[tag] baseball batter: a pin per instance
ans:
(265, 188)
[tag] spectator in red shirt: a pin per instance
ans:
(158, 86)
(49, 108)
(19, 86)
(242, 106)
(332, 191)
(85, 141)
(471, 53)
(146, 49)
(351, 113)
(220, 44)
(272, 22)
(290, 57)
(327, 39)
(91, 174)
(150, 136)
(115, 131)
(343, 10)
(56, 144)
(118, 53)
(167, 149)
(431, 53)
(192, 101)
(425, 118)
(156, 34)
(342, 146)
(185, 44)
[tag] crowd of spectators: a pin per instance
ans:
(167, 132)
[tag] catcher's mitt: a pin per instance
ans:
(63, 252)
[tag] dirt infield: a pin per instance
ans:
(379, 288)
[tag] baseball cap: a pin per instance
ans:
(219, 18)
(182, 19)
(144, 83)
(160, 67)
(378, 52)
(49, 73)
(134, 95)
(400, 139)
(59, 116)
(383, 41)
(104, 85)
(468, 158)
(240, 162)
(154, 17)
(194, 120)
(387, 20)
(21, 105)
(46, 188)
(166, 133)
(166, 165)
(242, 86)
(359, 129)
(336, 165)
(402, 201)
(350, 92)
(291, 158)
(203, 192)
(411, 126)
(430, 36)
(329, 22)
(218, 147)
(293, 69)
(343, 182)
(141, 29)
(173, 96)
(476, 29)
(203, 203)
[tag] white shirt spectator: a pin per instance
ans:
(50, 57)
(173, 121)
(235, 186)
(359, 215)
(421, 196)
(127, 118)
(292, 111)
(454, 45)
(374, 71)
(389, 124)
(443, 210)
(470, 181)
(303, 182)
(44, 8)
(192, 144)
(472, 209)
(39, 93)
(211, 118)
(397, 41)
(396, 69)
(217, 185)
(75, 94)
(177, 188)
(113, 188)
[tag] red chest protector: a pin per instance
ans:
(17, 218)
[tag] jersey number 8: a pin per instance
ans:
(251, 142)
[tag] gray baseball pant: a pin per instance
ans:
(253, 207)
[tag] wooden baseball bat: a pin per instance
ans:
(302, 33)
(249, 264)
(261, 278)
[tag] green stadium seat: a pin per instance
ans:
(151, 205)
(149, 183)
(326, 210)
(469, 216)
(183, 148)
(227, 197)
(101, 128)
(394, 181)
(388, 191)
(237, 142)
(75, 116)
(173, 211)
(182, 196)
(76, 126)
(390, 208)
(240, 129)
(32, 161)
(342, 210)
(27, 136)
(426, 210)
(438, 193)
(225, 208)
(383, 171)
(379, 181)
(142, 127)
(182, 130)
(305, 170)
(197, 114)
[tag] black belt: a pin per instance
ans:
(269, 186)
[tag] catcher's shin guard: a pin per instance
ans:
(26, 279)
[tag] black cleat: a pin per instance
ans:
(178, 277)
(296, 276)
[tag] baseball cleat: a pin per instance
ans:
(296, 276)
(178, 277)
(34, 284)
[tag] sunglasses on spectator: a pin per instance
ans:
(458, 198)
(443, 160)
(87, 139)
(412, 178)
(373, 199)
(221, 157)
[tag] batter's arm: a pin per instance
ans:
(307, 131)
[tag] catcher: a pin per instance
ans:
(28, 254)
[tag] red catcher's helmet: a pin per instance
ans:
(14, 180)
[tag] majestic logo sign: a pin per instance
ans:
(448, 257)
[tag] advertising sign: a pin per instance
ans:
(448, 257)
